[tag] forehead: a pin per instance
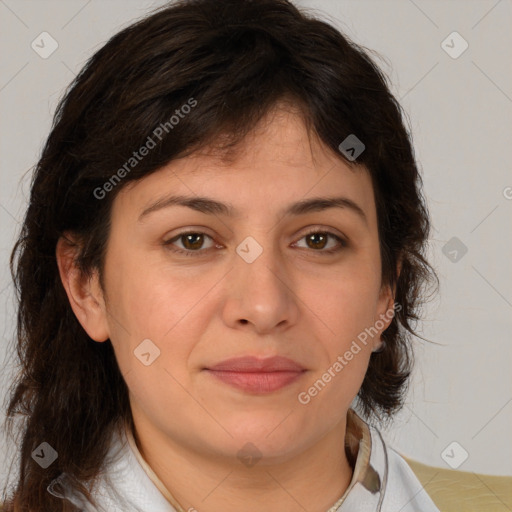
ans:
(276, 164)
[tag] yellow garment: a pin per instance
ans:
(461, 491)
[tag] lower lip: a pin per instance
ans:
(257, 382)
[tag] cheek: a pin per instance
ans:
(151, 302)
(346, 310)
(346, 303)
(156, 310)
(145, 300)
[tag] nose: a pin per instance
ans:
(260, 294)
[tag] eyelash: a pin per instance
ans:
(342, 243)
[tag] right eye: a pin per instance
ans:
(191, 242)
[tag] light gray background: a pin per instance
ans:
(459, 111)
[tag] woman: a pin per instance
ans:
(221, 261)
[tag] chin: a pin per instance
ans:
(272, 439)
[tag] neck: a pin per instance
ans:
(312, 480)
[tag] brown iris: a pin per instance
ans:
(316, 236)
(191, 245)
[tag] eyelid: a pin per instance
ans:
(321, 229)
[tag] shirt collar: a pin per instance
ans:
(358, 447)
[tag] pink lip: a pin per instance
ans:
(257, 375)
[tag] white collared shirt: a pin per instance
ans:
(382, 481)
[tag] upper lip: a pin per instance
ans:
(251, 364)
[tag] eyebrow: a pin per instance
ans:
(212, 207)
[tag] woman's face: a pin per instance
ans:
(248, 283)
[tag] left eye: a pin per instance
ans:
(318, 240)
(193, 241)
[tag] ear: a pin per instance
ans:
(84, 293)
(385, 309)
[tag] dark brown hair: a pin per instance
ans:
(235, 59)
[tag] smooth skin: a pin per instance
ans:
(294, 299)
